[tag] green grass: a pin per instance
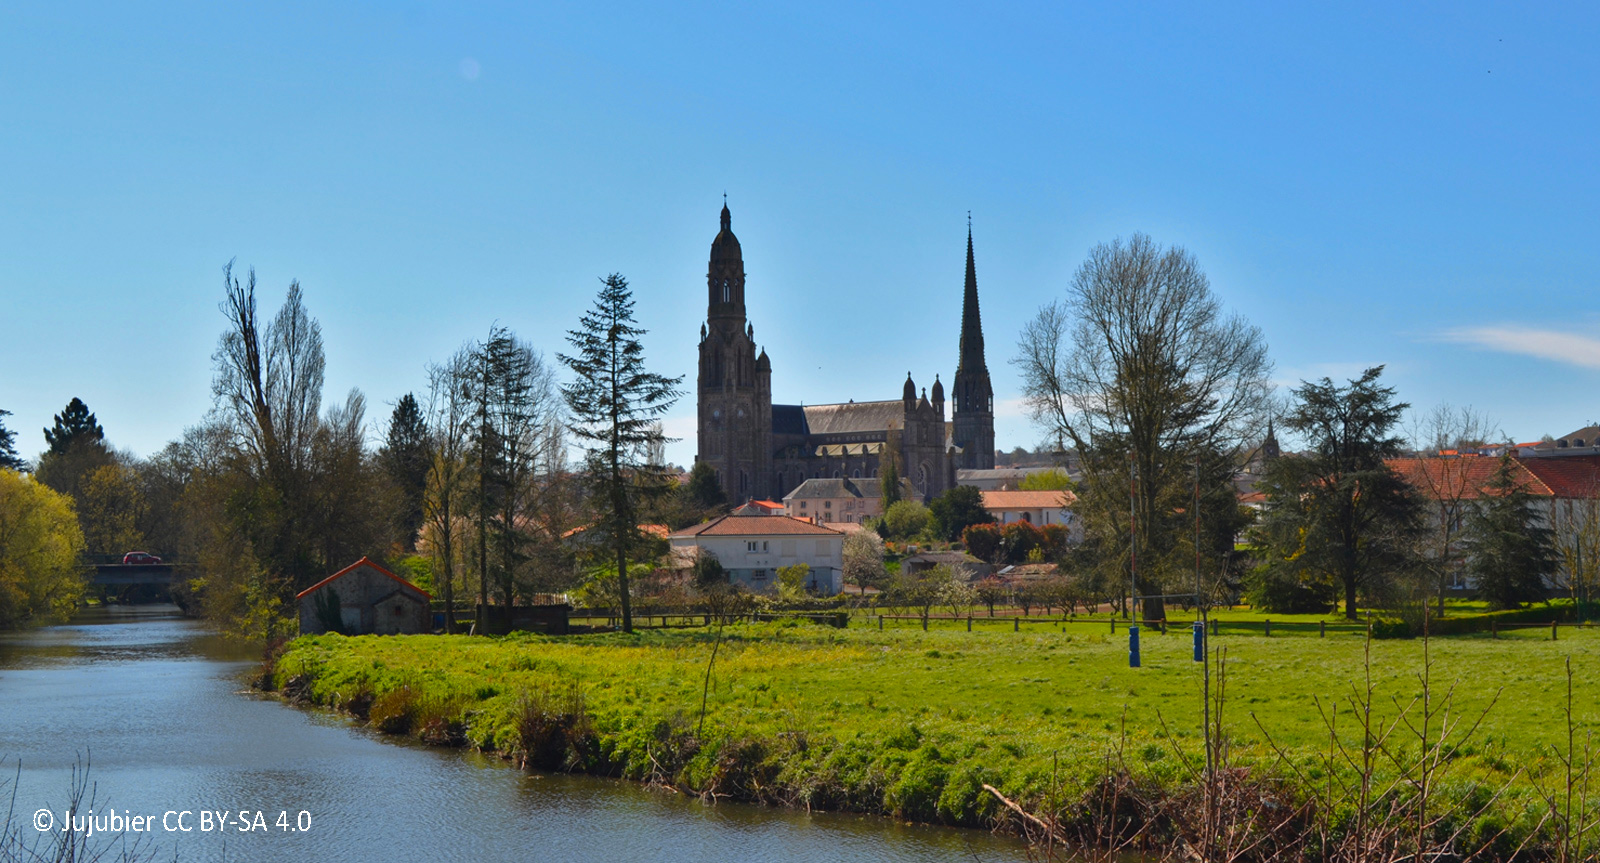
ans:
(910, 723)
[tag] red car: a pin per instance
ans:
(134, 558)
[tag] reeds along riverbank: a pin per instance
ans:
(1042, 735)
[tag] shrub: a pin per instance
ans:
(983, 541)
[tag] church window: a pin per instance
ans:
(744, 482)
(855, 474)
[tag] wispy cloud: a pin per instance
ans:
(1562, 347)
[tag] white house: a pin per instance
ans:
(752, 547)
(1036, 507)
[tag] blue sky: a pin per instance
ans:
(1416, 186)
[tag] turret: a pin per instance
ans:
(908, 393)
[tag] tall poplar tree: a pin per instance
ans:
(616, 408)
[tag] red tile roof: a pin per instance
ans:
(756, 525)
(1567, 476)
(347, 570)
(1465, 478)
(1028, 499)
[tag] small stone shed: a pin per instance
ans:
(364, 599)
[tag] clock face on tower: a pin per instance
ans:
(716, 413)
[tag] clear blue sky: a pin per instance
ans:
(1417, 188)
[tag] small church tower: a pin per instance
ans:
(734, 386)
(972, 426)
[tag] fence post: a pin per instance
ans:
(1216, 626)
(969, 623)
(1269, 627)
(1322, 629)
(924, 624)
(1016, 625)
(1494, 629)
(1552, 630)
(880, 623)
(1113, 624)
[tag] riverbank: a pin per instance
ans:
(914, 724)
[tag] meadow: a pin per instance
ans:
(913, 723)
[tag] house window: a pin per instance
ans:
(758, 575)
(802, 504)
(750, 547)
(399, 610)
(763, 545)
(827, 504)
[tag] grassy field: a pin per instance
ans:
(912, 723)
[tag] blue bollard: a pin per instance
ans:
(1199, 641)
(1133, 646)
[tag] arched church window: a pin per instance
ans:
(727, 290)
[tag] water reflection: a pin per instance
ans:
(160, 706)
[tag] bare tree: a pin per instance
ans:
(268, 390)
(444, 501)
(1141, 370)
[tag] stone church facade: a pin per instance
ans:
(762, 450)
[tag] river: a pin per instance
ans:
(160, 708)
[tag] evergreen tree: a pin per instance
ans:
(406, 459)
(72, 425)
(1339, 516)
(616, 409)
(956, 509)
(1511, 546)
(889, 472)
(704, 490)
(9, 460)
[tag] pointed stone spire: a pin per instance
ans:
(972, 426)
(971, 350)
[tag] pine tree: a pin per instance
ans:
(889, 472)
(704, 490)
(1338, 516)
(72, 425)
(9, 460)
(406, 458)
(616, 409)
(1512, 548)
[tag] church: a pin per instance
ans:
(762, 450)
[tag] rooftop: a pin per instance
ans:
(756, 525)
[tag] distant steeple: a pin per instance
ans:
(972, 414)
(971, 358)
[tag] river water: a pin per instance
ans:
(160, 709)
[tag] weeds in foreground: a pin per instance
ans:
(1388, 790)
(21, 842)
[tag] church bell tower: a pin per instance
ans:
(734, 387)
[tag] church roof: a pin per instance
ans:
(852, 417)
(789, 419)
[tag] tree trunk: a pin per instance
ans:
(622, 587)
(1350, 598)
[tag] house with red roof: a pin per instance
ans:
(364, 599)
(751, 548)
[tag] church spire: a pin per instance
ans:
(971, 352)
(973, 416)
